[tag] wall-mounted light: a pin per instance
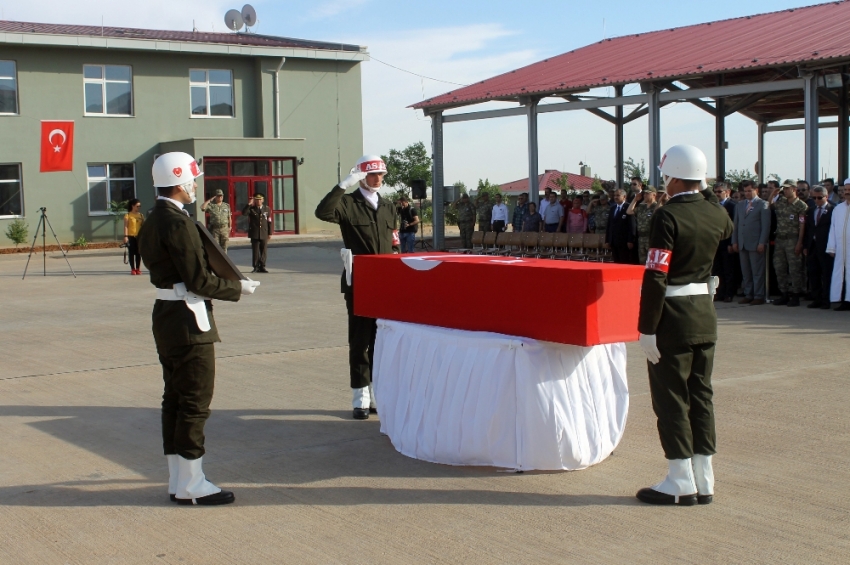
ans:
(834, 80)
(301, 161)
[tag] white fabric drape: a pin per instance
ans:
(839, 244)
(476, 398)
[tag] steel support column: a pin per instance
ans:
(843, 136)
(437, 184)
(533, 165)
(762, 129)
(654, 116)
(720, 136)
(618, 137)
(810, 106)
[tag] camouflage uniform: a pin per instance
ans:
(485, 212)
(600, 218)
(643, 214)
(790, 219)
(466, 223)
(220, 222)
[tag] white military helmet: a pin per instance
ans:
(684, 162)
(370, 164)
(174, 169)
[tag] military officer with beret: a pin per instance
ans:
(367, 222)
(788, 261)
(220, 218)
(642, 207)
(183, 326)
(259, 230)
(465, 220)
(678, 327)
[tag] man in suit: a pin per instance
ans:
(752, 228)
(621, 233)
(259, 230)
(818, 261)
(724, 259)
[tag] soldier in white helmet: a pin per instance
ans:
(183, 326)
(678, 326)
(368, 223)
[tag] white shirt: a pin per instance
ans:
(686, 192)
(371, 197)
(543, 205)
(500, 212)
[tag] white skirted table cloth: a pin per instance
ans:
(476, 398)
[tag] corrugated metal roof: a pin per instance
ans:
(250, 39)
(549, 179)
(795, 36)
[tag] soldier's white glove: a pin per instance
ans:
(650, 349)
(249, 286)
(352, 179)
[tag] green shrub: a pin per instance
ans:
(18, 231)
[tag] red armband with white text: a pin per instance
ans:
(659, 260)
(396, 239)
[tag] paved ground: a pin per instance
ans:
(82, 477)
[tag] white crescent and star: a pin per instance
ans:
(57, 148)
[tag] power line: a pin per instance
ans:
(416, 74)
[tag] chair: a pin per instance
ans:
(593, 241)
(489, 243)
(576, 247)
(522, 239)
(546, 245)
(477, 242)
(562, 247)
(510, 242)
(531, 242)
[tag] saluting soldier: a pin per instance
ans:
(183, 326)
(600, 209)
(790, 230)
(465, 220)
(259, 230)
(485, 212)
(643, 214)
(220, 218)
(678, 327)
(367, 222)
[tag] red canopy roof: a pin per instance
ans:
(800, 35)
(549, 179)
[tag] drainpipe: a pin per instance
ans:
(277, 98)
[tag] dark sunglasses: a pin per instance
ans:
(820, 197)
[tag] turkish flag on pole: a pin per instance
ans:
(57, 146)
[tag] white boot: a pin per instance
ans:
(678, 487)
(704, 476)
(360, 398)
(172, 473)
(191, 482)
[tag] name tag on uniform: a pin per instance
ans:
(659, 259)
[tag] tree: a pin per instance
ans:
(18, 231)
(486, 187)
(734, 177)
(596, 185)
(564, 182)
(405, 166)
(632, 168)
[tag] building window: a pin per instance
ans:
(211, 93)
(110, 184)
(108, 90)
(8, 88)
(11, 191)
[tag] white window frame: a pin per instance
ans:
(20, 180)
(106, 179)
(17, 90)
(206, 85)
(102, 81)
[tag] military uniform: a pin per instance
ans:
(684, 234)
(259, 230)
(365, 231)
(220, 222)
(466, 223)
(485, 212)
(172, 251)
(643, 215)
(600, 218)
(790, 221)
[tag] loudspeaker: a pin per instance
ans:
(418, 190)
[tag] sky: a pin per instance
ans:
(453, 43)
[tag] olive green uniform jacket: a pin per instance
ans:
(259, 221)
(172, 250)
(365, 231)
(689, 227)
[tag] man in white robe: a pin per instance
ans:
(839, 247)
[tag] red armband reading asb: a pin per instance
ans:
(659, 260)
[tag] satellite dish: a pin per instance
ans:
(233, 20)
(249, 15)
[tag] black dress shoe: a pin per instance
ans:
(826, 306)
(815, 304)
(173, 497)
(223, 497)
(705, 498)
(652, 496)
(254, 270)
(262, 270)
(373, 409)
(361, 414)
(844, 307)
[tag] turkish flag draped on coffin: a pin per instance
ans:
(57, 146)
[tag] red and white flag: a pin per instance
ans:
(57, 146)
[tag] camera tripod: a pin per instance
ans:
(421, 242)
(43, 223)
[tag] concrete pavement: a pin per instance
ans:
(82, 478)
